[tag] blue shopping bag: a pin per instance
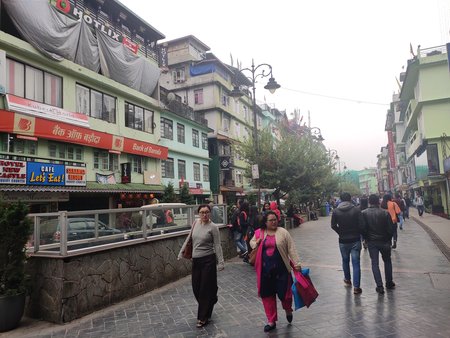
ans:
(298, 301)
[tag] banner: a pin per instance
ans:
(13, 172)
(75, 176)
(59, 131)
(45, 173)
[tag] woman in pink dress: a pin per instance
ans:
(273, 270)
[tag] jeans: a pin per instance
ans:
(353, 250)
(401, 219)
(239, 240)
(375, 248)
(420, 209)
(406, 213)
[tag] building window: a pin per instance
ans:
(166, 128)
(137, 163)
(65, 151)
(139, 118)
(246, 114)
(179, 75)
(196, 171)
(180, 133)
(95, 104)
(205, 141)
(181, 169)
(225, 123)
(225, 100)
(33, 84)
(206, 173)
(11, 144)
(239, 178)
(103, 160)
(195, 138)
(167, 168)
(198, 96)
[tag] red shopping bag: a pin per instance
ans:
(305, 287)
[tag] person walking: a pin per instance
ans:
(419, 204)
(407, 206)
(402, 205)
(377, 230)
(238, 235)
(206, 251)
(276, 250)
(394, 211)
(346, 221)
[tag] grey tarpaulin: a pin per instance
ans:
(53, 33)
(58, 36)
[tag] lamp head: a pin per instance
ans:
(236, 93)
(272, 85)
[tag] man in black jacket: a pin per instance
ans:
(346, 221)
(377, 230)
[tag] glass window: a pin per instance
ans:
(101, 160)
(138, 118)
(65, 151)
(33, 84)
(198, 96)
(166, 128)
(181, 169)
(206, 173)
(196, 171)
(205, 141)
(180, 133)
(195, 138)
(167, 170)
(95, 104)
(137, 163)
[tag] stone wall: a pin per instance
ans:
(68, 288)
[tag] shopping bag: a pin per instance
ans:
(305, 287)
(298, 301)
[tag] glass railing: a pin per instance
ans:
(66, 233)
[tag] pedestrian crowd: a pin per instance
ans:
(367, 222)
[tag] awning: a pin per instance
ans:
(90, 187)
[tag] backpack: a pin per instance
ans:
(239, 218)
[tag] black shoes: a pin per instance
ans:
(390, 285)
(269, 327)
(347, 282)
(201, 323)
(289, 317)
(357, 291)
(379, 290)
(394, 245)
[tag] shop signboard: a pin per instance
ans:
(75, 176)
(13, 172)
(45, 174)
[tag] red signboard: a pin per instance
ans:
(391, 150)
(11, 122)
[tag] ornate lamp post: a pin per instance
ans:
(260, 71)
(316, 133)
(333, 155)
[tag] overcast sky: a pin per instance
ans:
(347, 52)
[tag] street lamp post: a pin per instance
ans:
(260, 71)
(316, 133)
(333, 155)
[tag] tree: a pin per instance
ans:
(169, 195)
(185, 195)
(294, 162)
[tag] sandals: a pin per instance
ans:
(201, 323)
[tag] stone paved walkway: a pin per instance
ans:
(418, 307)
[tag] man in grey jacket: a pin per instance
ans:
(346, 221)
(377, 230)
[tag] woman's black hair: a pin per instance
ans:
(363, 203)
(386, 198)
(203, 206)
(245, 207)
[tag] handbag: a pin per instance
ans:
(298, 301)
(305, 287)
(253, 253)
(187, 251)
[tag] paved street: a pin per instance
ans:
(418, 307)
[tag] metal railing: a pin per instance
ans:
(68, 233)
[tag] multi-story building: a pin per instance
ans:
(203, 82)
(424, 112)
(80, 115)
(367, 179)
(383, 171)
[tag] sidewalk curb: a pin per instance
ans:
(434, 237)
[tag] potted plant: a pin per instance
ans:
(15, 229)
